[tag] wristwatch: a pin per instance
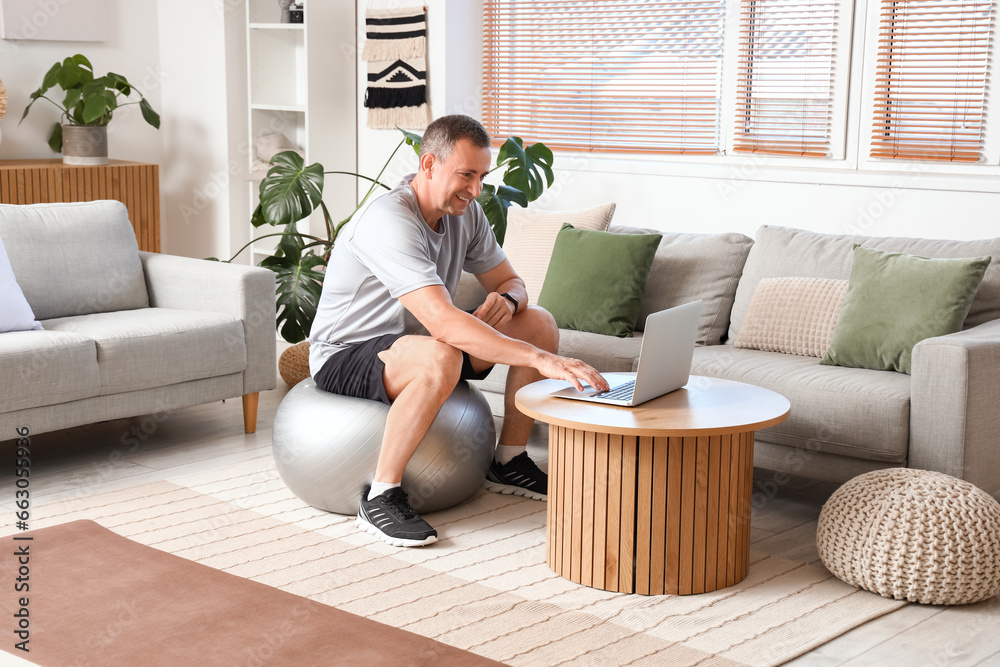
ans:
(511, 299)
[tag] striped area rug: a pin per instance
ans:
(483, 586)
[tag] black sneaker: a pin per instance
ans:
(390, 518)
(519, 476)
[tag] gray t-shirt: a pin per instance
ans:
(384, 252)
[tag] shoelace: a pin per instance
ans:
(396, 502)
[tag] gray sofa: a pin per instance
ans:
(125, 333)
(844, 421)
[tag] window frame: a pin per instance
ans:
(842, 79)
(684, 150)
(989, 165)
(851, 122)
(836, 137)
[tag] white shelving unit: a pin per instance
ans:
(301, 82)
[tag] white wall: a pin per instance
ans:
(199, 125)
(719, 194)
(742, 198)
(132, 50)
(176, 52)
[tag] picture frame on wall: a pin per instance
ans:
(59, 20)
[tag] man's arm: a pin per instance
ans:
(433, 308)
(497, 310)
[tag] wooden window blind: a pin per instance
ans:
(785, 77)
(930, 89)
(640, 76)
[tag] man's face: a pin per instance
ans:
(455, 182)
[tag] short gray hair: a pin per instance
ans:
(441, 136)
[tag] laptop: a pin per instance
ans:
(664, 360)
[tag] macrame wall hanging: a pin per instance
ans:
(396, 51)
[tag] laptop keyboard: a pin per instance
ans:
(621, 393)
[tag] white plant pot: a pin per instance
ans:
(85, 144)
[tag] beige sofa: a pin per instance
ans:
(125, 333)
(844, 421)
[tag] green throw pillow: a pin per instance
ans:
(894, 301)
(596, 280)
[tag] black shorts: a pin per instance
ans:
(357, 371)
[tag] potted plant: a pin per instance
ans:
(292, 190)
(87, 108)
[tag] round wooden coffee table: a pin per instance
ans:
(653, 499)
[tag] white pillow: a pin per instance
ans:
(794, 315)
(15, 313)
(531, 235)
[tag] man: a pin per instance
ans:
(400, 260)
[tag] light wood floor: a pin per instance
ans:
(85, 460)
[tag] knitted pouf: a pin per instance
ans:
(293, 365)
(913, 535)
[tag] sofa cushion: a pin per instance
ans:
(894, 301)
(852, 412)
(74, 259)
(607, 354)
(153, 347)
(793, 315)
(688, 267)
(469, 294)
(42, 368)
(782, 251)
(596, 280)
(531, 235)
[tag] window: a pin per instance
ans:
(639, 76)
(785, 78)
(930, 87)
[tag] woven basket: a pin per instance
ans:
(293, 365)
(913, 535)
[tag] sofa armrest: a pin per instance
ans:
(954, 399)
(246, 292)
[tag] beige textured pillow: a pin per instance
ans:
(792, 315)
(531, 235)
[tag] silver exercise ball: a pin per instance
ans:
(326, 446)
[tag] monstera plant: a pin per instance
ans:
(292, 190)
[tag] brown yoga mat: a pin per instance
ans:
(96, 598)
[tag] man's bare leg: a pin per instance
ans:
(420, 373)
(536, 326)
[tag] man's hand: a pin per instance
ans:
(571, 370)
(495, 311)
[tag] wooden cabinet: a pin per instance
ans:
(135, 184)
